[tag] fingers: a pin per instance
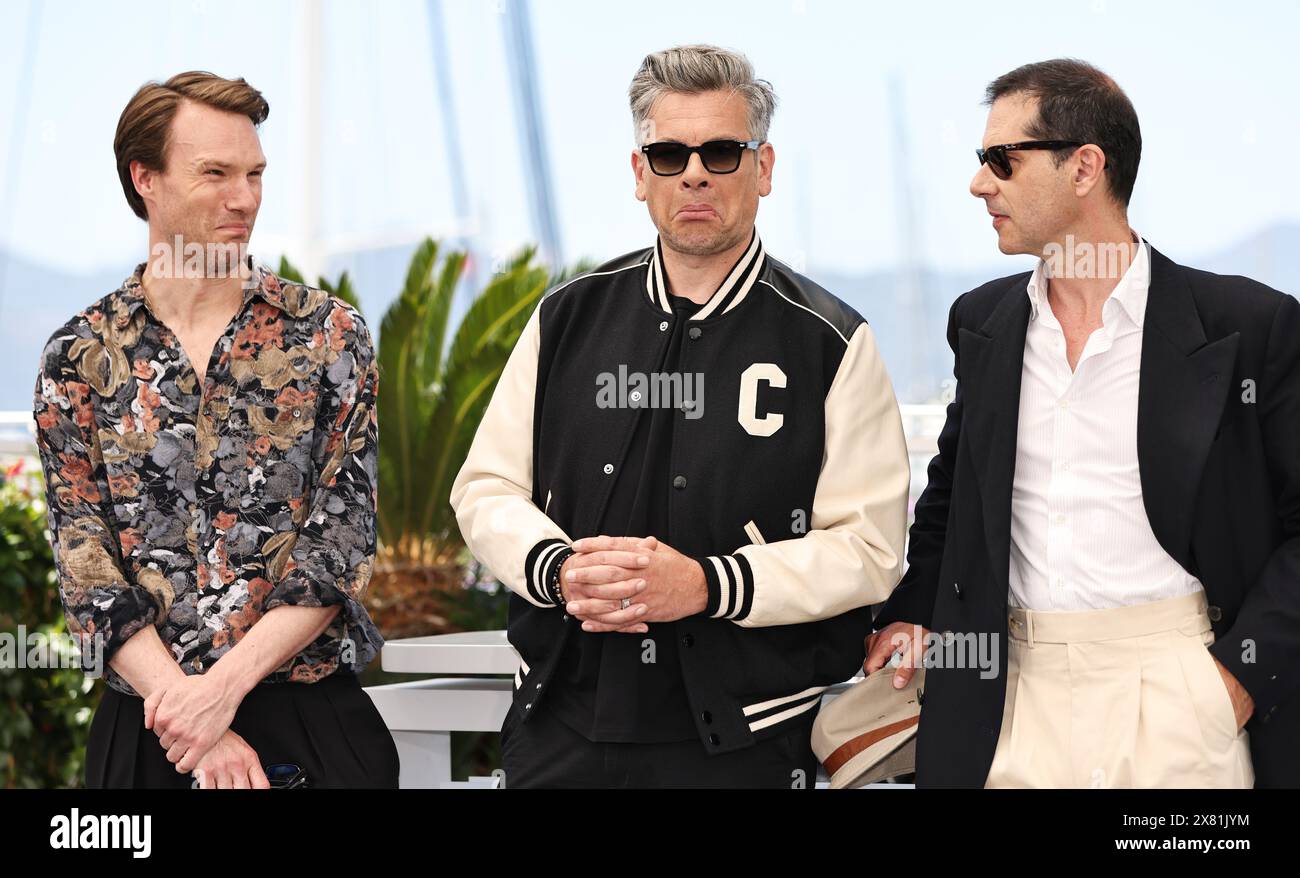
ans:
(616, 618)
(595, 627)
(257, 777)
(615, 544)
(912, 658)
(615, 591)
(590, 609)
(598, 600)
(879, 651)
(191, 759)
(900, 637)
(629, 560)
(598, 575)
(151, 706)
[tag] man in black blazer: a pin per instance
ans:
(1117, 487)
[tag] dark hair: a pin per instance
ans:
(144, 129)
(1076, 101)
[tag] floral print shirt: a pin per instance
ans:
(198, 510)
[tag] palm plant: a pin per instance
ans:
(433, 389)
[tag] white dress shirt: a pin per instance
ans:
(1080, 538)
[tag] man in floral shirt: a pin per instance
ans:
(209, 441)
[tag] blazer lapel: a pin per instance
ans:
(991, 361)
(1182, 391)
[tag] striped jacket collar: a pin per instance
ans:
(737, 284)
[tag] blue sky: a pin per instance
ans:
(1214, 85)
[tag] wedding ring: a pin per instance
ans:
(627, 602)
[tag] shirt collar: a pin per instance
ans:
(735, 286)
(1130, 294)
(263, 284)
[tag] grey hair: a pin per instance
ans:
(696, 69)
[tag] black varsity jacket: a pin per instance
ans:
(790, 475)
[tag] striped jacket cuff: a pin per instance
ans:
(541, 568)
(731, 586)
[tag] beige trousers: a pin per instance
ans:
(1125, 697)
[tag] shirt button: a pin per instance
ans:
(297, 413)
(956, 590)
(663, 326)
(635, 396)
(688, 640)
(695, 332)
(679, 482)
(1059, 518)
(609, 468)
(1065, 403)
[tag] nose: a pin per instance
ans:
(242, 196)
(983, 184)
(695, 175)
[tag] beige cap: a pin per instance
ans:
(868, 733)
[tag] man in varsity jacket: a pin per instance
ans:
(692, 475)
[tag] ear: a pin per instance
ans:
(639, 172)
(766, 160)
(143, 179)
(1089, 170)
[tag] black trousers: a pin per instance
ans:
(330, 728)
(546, 753)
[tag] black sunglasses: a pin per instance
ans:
(1000, 164)
(669, 159)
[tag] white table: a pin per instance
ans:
(422, 714)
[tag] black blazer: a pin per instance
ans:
(1220, 470)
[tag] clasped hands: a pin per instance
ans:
(191, 716)
(659, 583)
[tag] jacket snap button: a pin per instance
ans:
(663, 326)
(679, 482)
(1214, 613)
(695, 332)
(635, 396)
(609, 468)
(957, 589)
(688, 640)
(714, 739)
(707, 717)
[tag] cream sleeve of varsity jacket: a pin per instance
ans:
(850, 557)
